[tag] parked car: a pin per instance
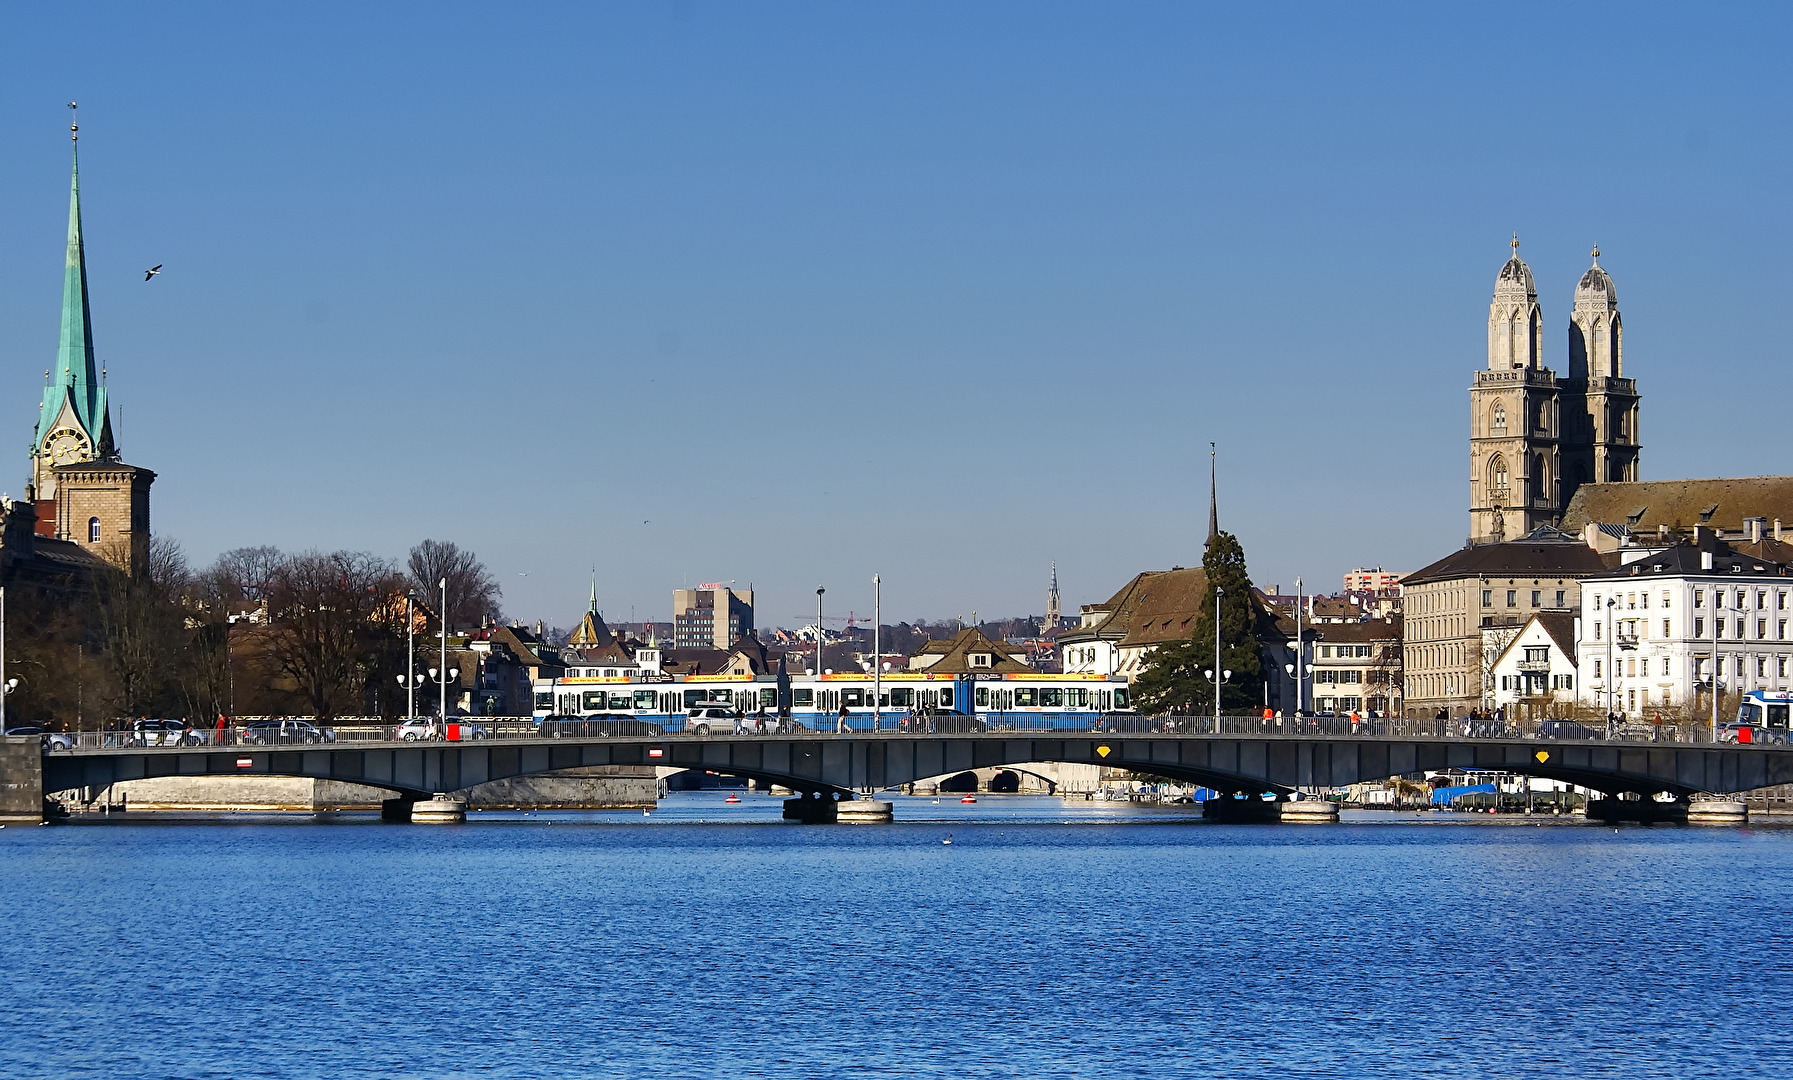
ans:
(52, 740)
(1753, 734)
(705, 719)
(148, 732)
(598, 726)
(284, 733)
(416, 730)
(1568, 729)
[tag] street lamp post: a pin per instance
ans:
(8, 687)
(1717, 604)
(410, 679)
(1300, 656)
(1218, 594)
(877, 651)
(1611, 602)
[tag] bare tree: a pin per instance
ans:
(472, 591)
(329, 614)
(244, 574)
(138, 619)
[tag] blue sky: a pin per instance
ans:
(792, 293)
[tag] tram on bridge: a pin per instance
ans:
(977, 702)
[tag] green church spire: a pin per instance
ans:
(75, 396)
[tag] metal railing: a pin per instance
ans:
(250, 733)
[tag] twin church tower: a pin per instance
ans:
(1536, 437)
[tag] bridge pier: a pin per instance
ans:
(1641, 810)
(21, 780)
(1251, 811)
(828, 808)
(398, 809)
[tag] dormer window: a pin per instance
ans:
(977, 659)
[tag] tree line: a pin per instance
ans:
(259, 631)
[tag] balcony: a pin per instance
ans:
(1521, 377)
(1538, 667)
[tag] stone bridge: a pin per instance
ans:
(835, 766)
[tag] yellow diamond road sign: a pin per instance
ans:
(1102, 751)
(1543, 756)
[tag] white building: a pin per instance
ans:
(1537, 666)
(1650, 629)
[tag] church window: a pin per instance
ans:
(1497, 476)
(1499, 423)
(93, 530)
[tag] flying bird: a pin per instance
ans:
(152, 271)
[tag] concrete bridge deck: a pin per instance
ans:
(835, 766)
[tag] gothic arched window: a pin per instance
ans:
(1540, 480)
(93, 530)
(1498, 424)
(1497, 477)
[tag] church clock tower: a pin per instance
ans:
(1514, 463)
(83, 492)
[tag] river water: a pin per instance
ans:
(710, 940)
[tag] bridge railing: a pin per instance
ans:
(252, 732)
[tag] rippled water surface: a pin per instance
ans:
(715, 941)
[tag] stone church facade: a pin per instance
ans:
(1535, 436)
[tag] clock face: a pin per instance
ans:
(65, 446)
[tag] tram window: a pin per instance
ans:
(693, 698)
(622, 701)
(1051, 697)
(544, 701)
(768, 697)
(983, 697)
(644, 699)
(946, 698)
(852, 697)
(1026, 696)
(803, 698)
(902, 697)
(1120, 698)
(1077, 697)
(594, 701)
(1777, 716)
(569, 703)
(724, 696)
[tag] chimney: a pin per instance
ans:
(1777, 530)
(1755, 527)
(1662, 533)
(1699, 535)
(1705, 560)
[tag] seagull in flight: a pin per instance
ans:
(152, 271)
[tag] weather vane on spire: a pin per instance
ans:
(1596, 254)
(1515, 245)
(73, 128)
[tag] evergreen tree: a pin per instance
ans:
(1172, 679)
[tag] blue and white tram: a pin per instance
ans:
(909, 699)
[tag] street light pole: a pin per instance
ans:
(1218, 593)
(1611, 671)
(3, 688)
(1716, 662)
(444, 683)
(877, 652)
(1300, 656)
(410, 661)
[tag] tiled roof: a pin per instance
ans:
(1681, 504)
(1517, 558)
(1561, 628)
(953, 658)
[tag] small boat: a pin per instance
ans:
(968, 798)
(732, 798)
